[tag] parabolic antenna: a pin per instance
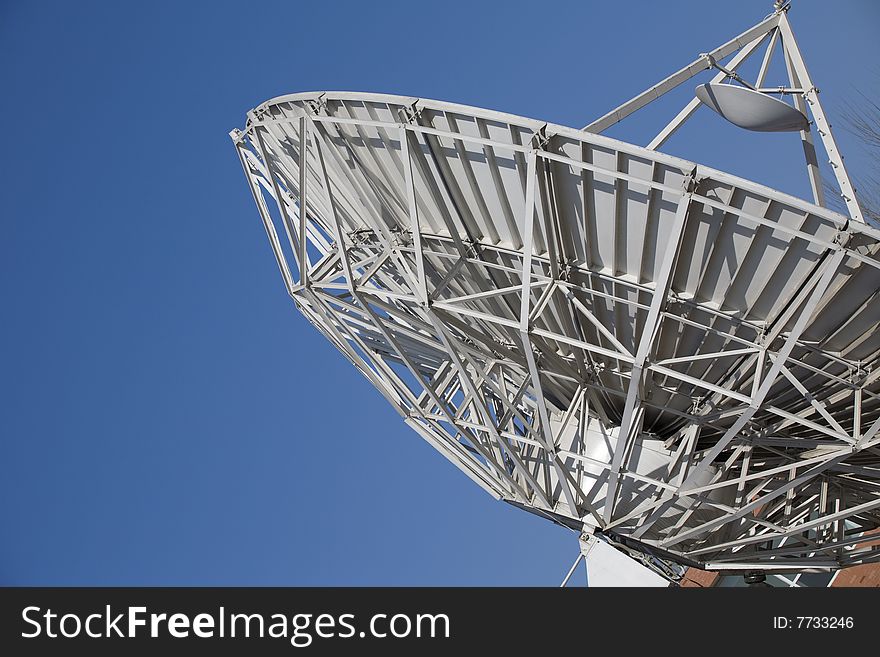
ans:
(751, 109)
(631, 344)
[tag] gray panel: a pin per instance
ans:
(750, 109)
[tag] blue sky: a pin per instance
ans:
(167, 416)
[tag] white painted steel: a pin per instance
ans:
(751, 109)
(609, 567)
(610, 337)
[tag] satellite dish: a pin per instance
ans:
(751, 109)
(633, 345)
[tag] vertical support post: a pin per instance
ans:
(815, 176)
(811, 95)
(545, 435)
(412, 208)
(303, 200)
(628, 425)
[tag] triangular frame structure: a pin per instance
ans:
(630, 344)
(776, 29)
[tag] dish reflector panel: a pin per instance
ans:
(751, 109)
(596, 332)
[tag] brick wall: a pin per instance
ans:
(693, 577)
(867, 575)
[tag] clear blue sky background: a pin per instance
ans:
(167, 417)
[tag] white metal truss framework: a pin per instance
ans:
(774, 31)
(596, 332)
